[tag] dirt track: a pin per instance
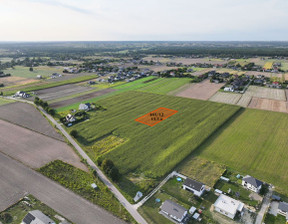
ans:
(34, 149)
(202, 91)
(80, 98)
(27, 116)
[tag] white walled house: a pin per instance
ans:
(194, 186)
(228, 206)
(173, 211)
(252, 183)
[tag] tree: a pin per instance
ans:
(107, 165)
(74, 133)
(31, 69)
(6, 218)
(51, 111)
(114, 173)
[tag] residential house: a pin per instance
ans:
(174, 211)
(85, 106)
(228, 206)
(37, 217)
(194, 186)
(283, 208)
(70, 118)
(252, 183)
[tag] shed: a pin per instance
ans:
(192, 210)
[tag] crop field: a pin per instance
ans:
(267, 104)
(4, 101)
(267, 93)
(14, 113)
(13, 80)
(79, 99)
(149, 148)
(268, 65)
(21, 71)
(34, 149)
(255, 143)
(244, 100)
(200, 169)
(61, 91)
(202, 91)
(187, 61)
(229, 98)
(165, 85)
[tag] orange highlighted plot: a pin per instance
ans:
(156, 116)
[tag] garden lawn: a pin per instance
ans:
(152, 151)
(256, 143)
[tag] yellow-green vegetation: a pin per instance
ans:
(106, 85)
(80, 182)
(165, 85)
(152, 152)
(173, 190)
(268, 65)
(4, 101)
(255, 144)
(18, 211)
(203, 170)
(103, 146)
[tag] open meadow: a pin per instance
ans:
(255, 143)
(229, 98)
(151, 152)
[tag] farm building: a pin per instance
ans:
(85, 106)
(194, 186)
(228, 206)
(70, 118)
(37, 217)
(173, 210)
(252, 183)
(283, 209)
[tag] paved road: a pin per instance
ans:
(78, 210)
(264, 207)
(130, 208)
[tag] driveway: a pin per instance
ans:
(17, 178)
(264, 207)
(273, 210)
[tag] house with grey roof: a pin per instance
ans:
(36, 217)
(173, 210)
(194, 186)
(252, 183)
(283, 208)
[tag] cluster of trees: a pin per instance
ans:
(110, 169)
(44, 105)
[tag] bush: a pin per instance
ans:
(6, 218)
(107, 165)
(51, 111)
(114, 174)
(74, 133)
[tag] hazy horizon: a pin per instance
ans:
(127, 20)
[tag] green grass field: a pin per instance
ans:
(159, 85)
(203, 170)
(80, 182)
(255, 144)
(165, 85)
(152, 151)
(21, 71)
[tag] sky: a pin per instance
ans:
(145, 20)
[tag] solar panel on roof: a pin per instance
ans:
(28, 218)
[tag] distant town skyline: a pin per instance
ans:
(150, 20)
